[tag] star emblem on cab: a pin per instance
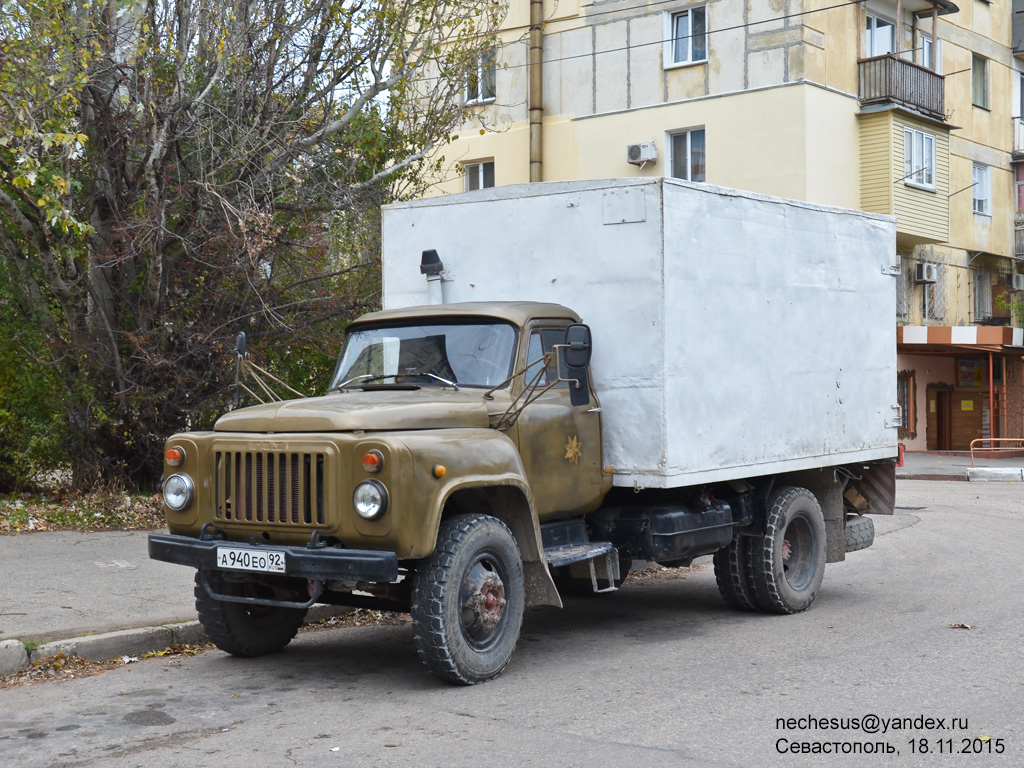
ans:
(572, 450)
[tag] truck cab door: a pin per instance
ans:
(560, 443)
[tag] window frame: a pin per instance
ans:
(981, 190)
(906, 396)
(479, 168)
(671, 143)
(934, 47)
(670, 45)
(931, 309)
(979, 64)
(871, 31)
(482, 74)
(926, 158)
(981, 294)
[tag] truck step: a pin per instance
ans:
(566, 554)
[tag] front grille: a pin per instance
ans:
(269, 487)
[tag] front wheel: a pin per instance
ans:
(468, 599)
(245, 629)
(787, 562)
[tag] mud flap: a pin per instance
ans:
(876, 482)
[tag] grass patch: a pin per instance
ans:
(99, 511)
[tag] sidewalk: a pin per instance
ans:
(949, 466)
(98, 595)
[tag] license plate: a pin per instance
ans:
(268, 561)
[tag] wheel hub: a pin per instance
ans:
(483, 603)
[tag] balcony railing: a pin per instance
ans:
(1018, 136)
(889, 79)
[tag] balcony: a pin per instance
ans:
(889, 79)
(1018, 235)
(1018, 138)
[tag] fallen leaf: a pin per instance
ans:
(960, 626)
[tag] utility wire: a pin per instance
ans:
(709, 32)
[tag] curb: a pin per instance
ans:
(924, 476)
(14, 656)
(992, 474)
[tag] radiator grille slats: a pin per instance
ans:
(270, 487)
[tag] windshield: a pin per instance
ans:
(468, 354)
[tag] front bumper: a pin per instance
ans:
(312, 563)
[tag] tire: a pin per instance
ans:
(787, 562)
(245, 630)
(733, 575)
(859, 532)
(468, 599)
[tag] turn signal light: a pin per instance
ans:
(439, 471)
(373, 462)
(175, 457)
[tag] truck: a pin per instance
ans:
(565, 379)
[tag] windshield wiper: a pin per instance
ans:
(371, 376)
(433, 376)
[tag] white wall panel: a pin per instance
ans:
(735, 334)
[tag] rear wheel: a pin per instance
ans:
(468, 600)
(859, 533)
(242, 629)
(732, 572)
(787, 562)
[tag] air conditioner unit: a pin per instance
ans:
(1017, 281)
(926, 273)
(641, 154)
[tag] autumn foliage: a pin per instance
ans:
(172, 173)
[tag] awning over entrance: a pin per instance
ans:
(993, 336)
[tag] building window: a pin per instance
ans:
(479, 175)
(982, 194)
(688, 155)
(1018, 104)
(880, 37)
(979, 82)
(905, 396)
(902, 308)
(933, 295)
(930, 54)
(480, 81)
(686, 39)
(1018, 172)
(918, 158)
(982, 294)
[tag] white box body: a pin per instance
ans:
(735, 335)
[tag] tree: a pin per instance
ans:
(174, 171)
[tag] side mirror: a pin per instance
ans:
(578, 346)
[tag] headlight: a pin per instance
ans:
(178, 492)
(370, 499)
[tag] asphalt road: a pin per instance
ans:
(658, 674)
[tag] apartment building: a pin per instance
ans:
(905, 107)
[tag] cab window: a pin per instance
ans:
(542, 341)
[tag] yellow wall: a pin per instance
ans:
(777, 141)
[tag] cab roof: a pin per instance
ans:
(516, 312)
